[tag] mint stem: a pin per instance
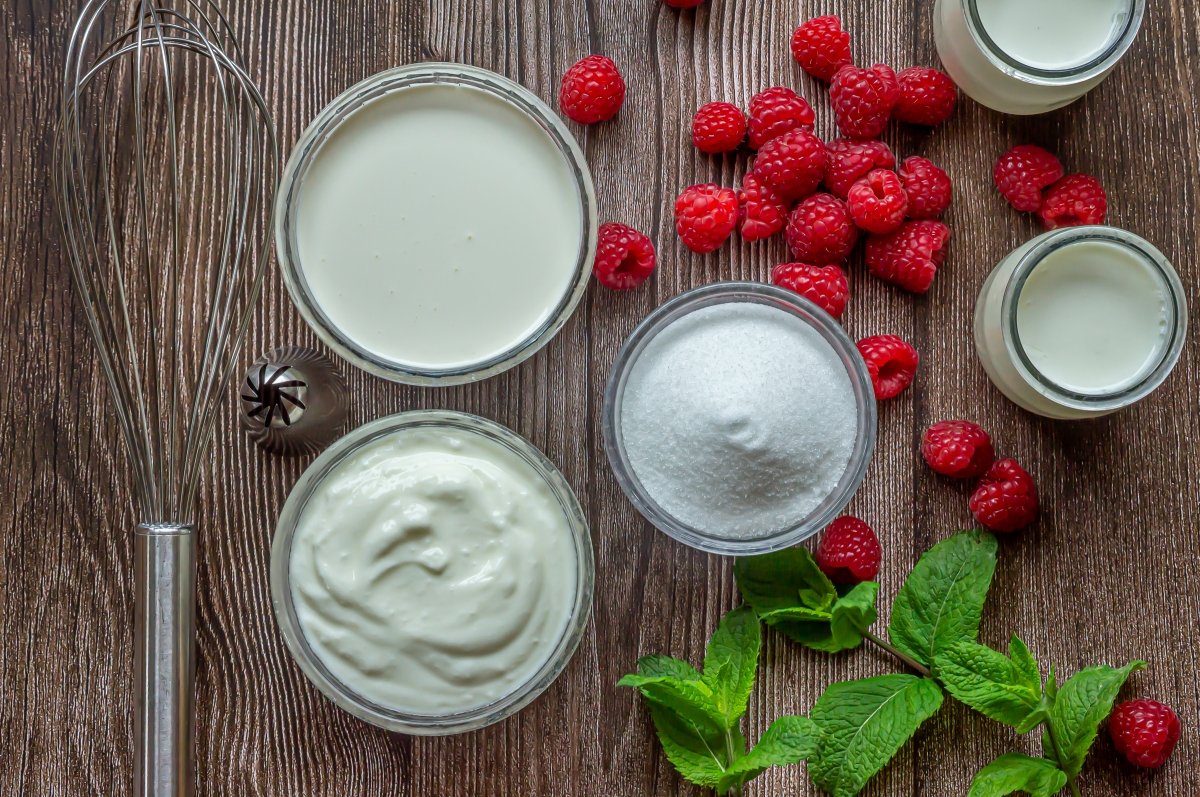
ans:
(732, 755)
(1071, 784)
(909, 660)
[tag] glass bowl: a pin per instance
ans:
(326, 124)
(816, 318)
(329, 684)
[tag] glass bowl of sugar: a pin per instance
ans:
(739, 418)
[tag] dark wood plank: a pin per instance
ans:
(1108, 573)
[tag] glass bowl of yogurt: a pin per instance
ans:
(436, 224)
(739, 418)
(432, 572)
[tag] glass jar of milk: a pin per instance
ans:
(1032, 56)
(1080, 322)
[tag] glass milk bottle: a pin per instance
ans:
(1032, 56)
(1080, 322)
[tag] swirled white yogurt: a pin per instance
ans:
(433, 571)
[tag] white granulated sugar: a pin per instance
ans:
(738, 419)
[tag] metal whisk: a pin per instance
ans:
(165, 162)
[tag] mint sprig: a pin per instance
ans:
(697, 715)
(790, 593)
(934, 629)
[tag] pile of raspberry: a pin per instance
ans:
(824, 197)
(1032, 180)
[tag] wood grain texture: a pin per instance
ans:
(1106, 575)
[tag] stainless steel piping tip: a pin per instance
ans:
(293, 401)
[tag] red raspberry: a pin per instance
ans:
(863, 99)
(820, 230)
(891, 362)
(718, 127)
(1006, 498)
(775, 111)
(824, 286)
(927, 96)
(792, 164)
(877, 202)
(624, 257)
(927, 187)
(821, 47)
(848, 161)
(1074, 200)
(959, 449)
(761, 211)
(1022, 173)
(705, 216)
(683, 3)
(592, 90)
(910, 256)
(1144, 731)
(849, 551)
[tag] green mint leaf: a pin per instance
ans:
(692, 701)
(1007, 689)
(698, 753)
(783, 580)
(942, 599)
(840, 628)
(1083, 701)
(731, 662)
(788, 741)
(1016, 772)
(667, 667)
(863, 724)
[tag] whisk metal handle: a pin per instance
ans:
(164, 634)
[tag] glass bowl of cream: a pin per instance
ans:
(739, 418)
(436, 224)
(432, 572)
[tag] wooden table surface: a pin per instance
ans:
(1108, 574)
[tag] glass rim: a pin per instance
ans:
(330, 118)
(1087, 70)
(364, 708)
(1152, 378)
(829, 329)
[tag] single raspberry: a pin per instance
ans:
(959, 449)
(775, 111)
(927, 187)
(1074, 200)
(824, 286)
(683, 3)
(761, 211)
(849, 551)
(821, 47)
(863, 99)
(592, 90)
(1005, 499)
(792, 164)
(820, 230)
(624, 257)
(891, 362)
(1022, 173)
(705, 216)
(718, 127)
(1144, 731)
(927, 96)
(848, 160)
(877, 202)
(910, 256)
